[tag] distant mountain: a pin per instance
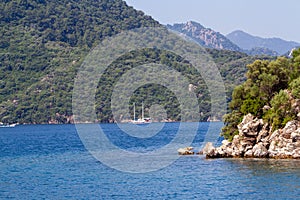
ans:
(248, 42)
(261, 51)
(235, 41)
(205, 36)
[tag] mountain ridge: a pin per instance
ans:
(247, 41)
(204, 36)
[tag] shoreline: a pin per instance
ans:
(255, 140)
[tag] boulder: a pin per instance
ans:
(212, 154)
(296, 153)
(185, 151)
(290, 127)
(295, 136)
(250, 126)
(226, 143)
(208, 148)
(260, 151)
(228, 151)
(263, 134)
(249, 154)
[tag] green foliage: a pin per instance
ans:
(295, 88)
(296, 63)
(251, 106)
(233, 67)
(296, 56)
(231, 121)
(43, 43)
(265, 94)
(280, 113)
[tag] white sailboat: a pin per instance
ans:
(142, 120)
(7, 125)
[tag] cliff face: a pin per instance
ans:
(256, 140)
(205, 36)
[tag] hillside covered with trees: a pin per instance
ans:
(44, 42)
(42, 45)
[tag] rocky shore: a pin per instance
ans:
(255, 140)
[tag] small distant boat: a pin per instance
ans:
(7, 125)
(142, 120)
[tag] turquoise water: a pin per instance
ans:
(50, 162)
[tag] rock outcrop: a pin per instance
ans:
(186, 151)
(255, 140)
(204, 36)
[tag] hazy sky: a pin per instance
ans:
(265, 18)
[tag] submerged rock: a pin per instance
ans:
(255, 139)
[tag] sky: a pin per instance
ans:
(264, 18)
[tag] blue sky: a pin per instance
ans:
(265, 18)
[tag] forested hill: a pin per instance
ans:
(43, 43)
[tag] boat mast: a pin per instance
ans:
(133, 111)
(142, 110)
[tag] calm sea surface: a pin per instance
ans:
(51, 162)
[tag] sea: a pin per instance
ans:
(56, 162)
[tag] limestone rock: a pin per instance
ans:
(256, 140)
(260, 151)
(295, 135)
(185, 151)
(291, 126)
(296, 153)
(226, 143)
(208, 148)
(249, 154)
(250, 126)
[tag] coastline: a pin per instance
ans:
(255, 140)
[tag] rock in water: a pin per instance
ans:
(185, 151)
(208, 148)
